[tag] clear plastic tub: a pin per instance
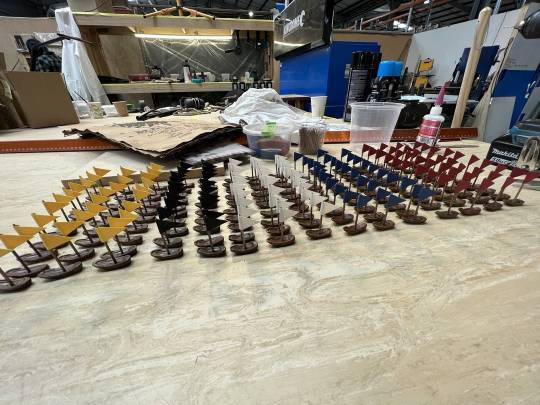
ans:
(373, 122)
(265, 146)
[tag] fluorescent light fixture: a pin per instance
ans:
(185, 37)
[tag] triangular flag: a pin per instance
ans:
(117, 187)
(425, 193)
(76, 186)
(530, 177)
(126, 172)
(244, 223)
(130, 205)
(362, 200)
(13, 241)
(484, 185)
(458, 154)
(119, 222)
(124, 179)
(382, 194)
(141, 192)
(155, 166)
(4, 252)
(326, 207)
(245, 211)
(52, 206)
(164, 226)
(53, 241)
(147, 182)
(66, 228)
(461, 186)
(98, 199)
(106, 191)
(86, 182)
(62, 198)
(348, 196)
(394, 200)
(105, 233)
(83, 215)
(127, 214)
(100, 172)
(518, 172)
(485, 163)
(27, 230)
(94, 208)
(43, 220)
(473, 159)
(70, 192)
(93, 177)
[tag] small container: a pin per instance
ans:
(318, 106)
(373, 122)
(110, 111)
(121, 108)
(83, 110)
(95, 110)
(266, 144)
(311, 138)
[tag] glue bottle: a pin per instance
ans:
(187, 72)
(432, 122)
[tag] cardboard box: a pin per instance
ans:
(42, 99)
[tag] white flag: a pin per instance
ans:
(326, 207)
(245, 211)
(284, 213)
(244, 223)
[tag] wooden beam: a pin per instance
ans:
(132, 20)
(150, 87)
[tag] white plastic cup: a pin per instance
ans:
(373, 122)
(318, 105)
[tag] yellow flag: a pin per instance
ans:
(154, 172)
(53, 241)
(43, 220)
(62, 198)
(4, 252)
(76, 186)
(106, 191)
(117, 187)
(93, 177)
(124, 179)
(83, 215)
(155, 166)
(86, 182)
(147, 182)
(66, 228)
(53, 206)
(119, 222)
(94, 208)
(27, 230)
(70, 192)
(141, 192)
(105, 233)
(130, 205)
(98, 199)
(127, 214)
(12, 241)
(101, 172)
(126, 171)
(149, 175)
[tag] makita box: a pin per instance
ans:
(502, 150)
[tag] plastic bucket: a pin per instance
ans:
(266, 147)
(373, 122)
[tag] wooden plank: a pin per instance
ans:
(132, 20)
(150, 87)
(57, 145)
(447, 134)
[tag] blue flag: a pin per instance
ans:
(297, 156)
(371, 168)
(311, 163)
(339, 189)
(356, 159)
(415, 190)
(305, 160)
(392, 177)
(331, 182)
(349, 195)
(382, 194)
(333, 161)
(362, 200)
(316, 171)
(372, 185)
(327, 158)
(345, 152)
(425, 193)
(361, 181)
(345, 168)
(354, 174)
(406, 182)
(381, 173)
(365, 164)
(394, 200)
(321, 152)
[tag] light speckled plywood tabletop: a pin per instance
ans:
(445, 313)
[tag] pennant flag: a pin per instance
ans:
(141, 192)
(476, 171)
(213, 223)
(392, 177)
(94, 208)
(416, 190)
(379, 154)
(66, 228)
(164, 212)
(13, 241)
(119, 222)
(361, 181)
(371, 151)
(394, 200)
(421, 170)
(349, 195)
(406, 182)
(52, 206)
(164, 226)
(27, 230)
(484, 185)
(327, 158)
(468, 176)
(425, 193)
(382, 194)
(365, 164)
(381, 173)
(331, 182)
(124, 179)
(117, 187)
(518, 172)
(105, 232)
(127, 214)
(53, 241)
(458, 154)
(130, 205)
(86, 182)
(71, 193)
(297, 156)
(76, 186)
(321, 152)
(362, 200)
(153, 173)
(339, 189)
(354, 174)
(245, 211)
(372, 185)
(500, 168)
(82, 215)
(357, 159)
(98, 199)
(100, 172)
(155, 166)
(106, 191)
(493, 175)
(439, 159)
(4, 252)
(93, 177)
(485, 163)
(126, 172)
(326, 207)
(461, 186)
(245, 223)
(365, 148)
(62, 198)
(530, 177)
(372, 168)
(473, 159)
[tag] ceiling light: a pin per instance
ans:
(185, 37)
(250, 13)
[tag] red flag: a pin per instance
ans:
(405, 164)
(461, 185)
(371, 150)
(509, 180)
(473, 159)
(424, 147)
(500, 168)
(493, 175)
(365, 147)
(439, 159)
(458, 154)
(419, 160)
(383, 146)
(388, 158)
(431, 175)
(530, 177)
(443, 179)
(379, 153)
(447, 152)
(486, 183)
(431, 163)
(460, 168)
(399, 153)
(421, 170)
(416, 144)
(476, 172)
(468, 176)
(518, 172)
(485, 163)
(399, 145)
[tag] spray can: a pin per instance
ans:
(432, 122)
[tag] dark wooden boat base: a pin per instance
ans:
(250, 247)
(162, 254)
(21, 272)
(107, 264)
(19, 284)
(84, 254)
(384, 225)
(319, 233)
(216, 251)
(171, 242)
(452, 214)
(352, 230)
(277, 241)
(343, 219)
(58, 273)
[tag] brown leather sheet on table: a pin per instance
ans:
(163, 138)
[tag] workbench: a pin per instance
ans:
(446, 312)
